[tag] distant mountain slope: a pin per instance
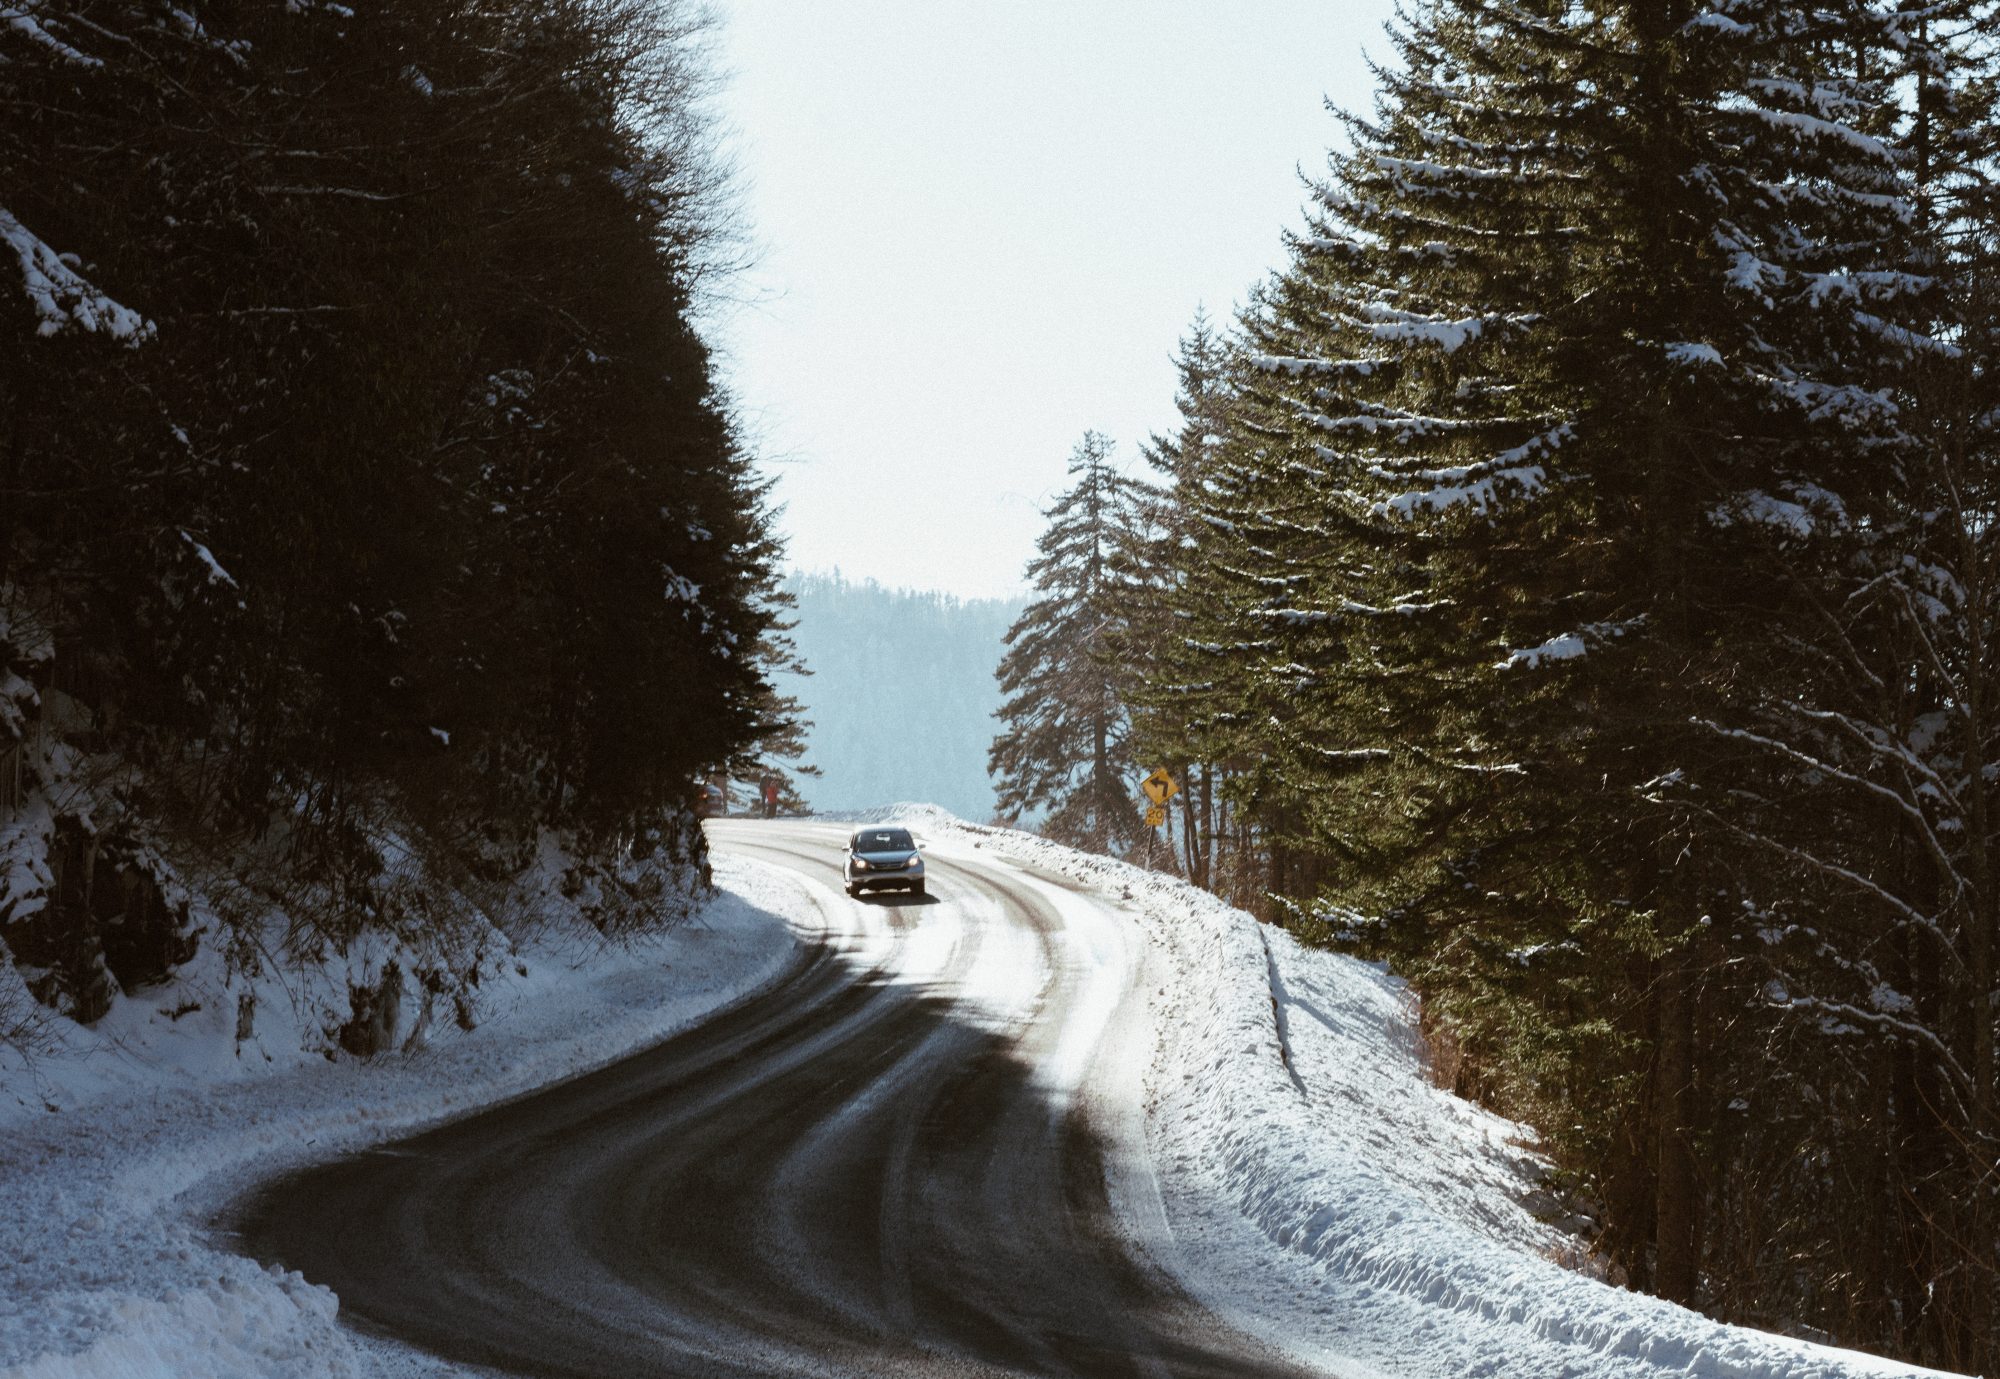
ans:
(902, 694)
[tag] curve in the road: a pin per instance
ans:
(850, 1173)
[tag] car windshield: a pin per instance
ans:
(883, 840)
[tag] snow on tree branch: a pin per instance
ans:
(21, 19)
(1569, 646)
(61, 297)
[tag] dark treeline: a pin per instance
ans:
(360, 463)
(1576, 576)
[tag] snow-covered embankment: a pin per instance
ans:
(1324, 1193)
(106, 1270)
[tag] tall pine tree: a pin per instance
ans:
(1602, 315)
(1065, 745)
(1157, 567)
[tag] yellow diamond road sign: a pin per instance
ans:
(1159, 786)
(1155, 815)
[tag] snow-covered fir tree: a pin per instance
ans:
(1166, 688)
(1585, 383)
(365, 474)
(1064, 748)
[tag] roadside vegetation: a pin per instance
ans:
(373, 531)
(1576, 580)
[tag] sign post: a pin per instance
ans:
(1158, 788)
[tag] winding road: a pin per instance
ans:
(920, 1152)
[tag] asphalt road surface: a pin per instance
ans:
(900, 1160)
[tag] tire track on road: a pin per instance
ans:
(881, 1165)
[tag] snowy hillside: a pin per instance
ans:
(902, 693)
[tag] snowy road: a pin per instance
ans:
(899, 1160)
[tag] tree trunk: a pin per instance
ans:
(1102, 785)
(1676, 1249)
(1982, 1222)
(1190, 839)
(1207, 829)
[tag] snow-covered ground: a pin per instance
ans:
(111, 1163)
(1302, 1175)
(1324, 1194)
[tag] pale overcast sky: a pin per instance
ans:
(981, 229)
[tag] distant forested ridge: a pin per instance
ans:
(1576, 580)
(371, 523)
(901, 696)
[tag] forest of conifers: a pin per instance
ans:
(1576, 581)
(368, 505)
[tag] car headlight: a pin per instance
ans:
(860, 865)
(915, 861)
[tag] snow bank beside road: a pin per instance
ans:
(1319, 1190)
(1398, 1210)
(1322, 1192)
(105, 1268)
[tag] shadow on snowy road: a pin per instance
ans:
(851, 1173)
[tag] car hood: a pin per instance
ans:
(884, 858)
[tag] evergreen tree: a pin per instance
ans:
(1862, 797)
(781, 725)
(1606, 305)
(359, 457)
(1158, 568)
(1065, 747)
